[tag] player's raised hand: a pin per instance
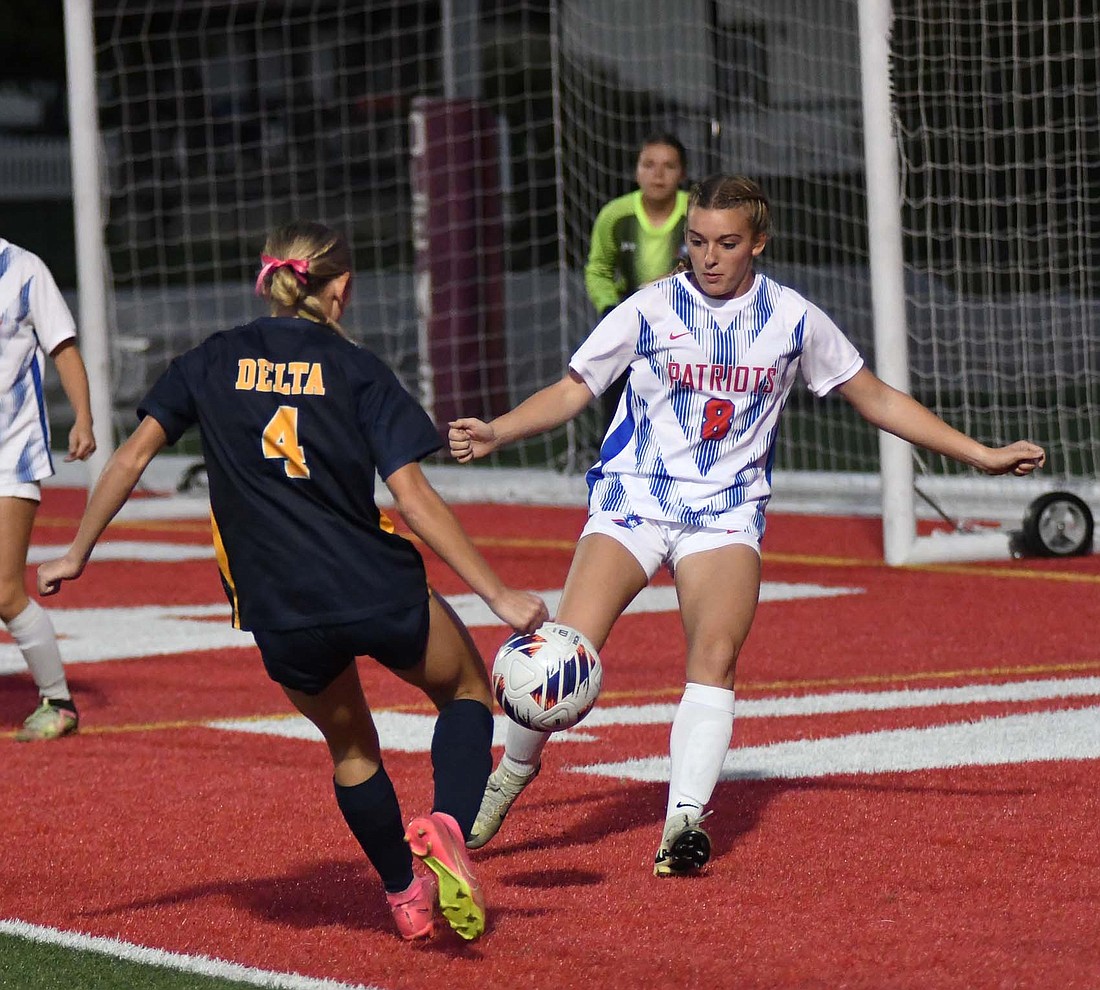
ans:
(1019, 458)
(524, 611)
(470, 439)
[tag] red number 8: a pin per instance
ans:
(717, 419)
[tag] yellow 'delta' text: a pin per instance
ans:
(283, 377)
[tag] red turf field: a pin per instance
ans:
(176, 835)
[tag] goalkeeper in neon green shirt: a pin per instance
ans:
(639, 237)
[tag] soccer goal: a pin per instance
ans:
(932, 168)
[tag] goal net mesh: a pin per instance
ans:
(223, 119)
(998, 113)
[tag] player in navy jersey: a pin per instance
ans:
(684, 475)
(296, 421)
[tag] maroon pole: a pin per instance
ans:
(458, 232)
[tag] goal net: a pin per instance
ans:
(997, 110)
(467, 146)
(222, 120)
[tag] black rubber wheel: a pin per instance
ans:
(1058, 524)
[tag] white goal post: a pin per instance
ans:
(932, 169)
(900, 540)
(887, 269)
(89, 223)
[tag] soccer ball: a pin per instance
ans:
(548, 679)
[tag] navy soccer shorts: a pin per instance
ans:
(308, 660)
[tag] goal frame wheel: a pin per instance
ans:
(1057, 524)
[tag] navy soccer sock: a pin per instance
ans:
(374, 817)
(462, 759)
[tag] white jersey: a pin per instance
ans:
(693, 438)
(34, 321)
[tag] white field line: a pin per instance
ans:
(129, 550)
(93, 635)
(409, 732)
(1034, 737)
(201, 965)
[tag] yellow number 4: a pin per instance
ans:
(280, 442)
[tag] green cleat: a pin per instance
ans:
(48, 721)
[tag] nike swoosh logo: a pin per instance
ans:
(686, 804)
(677, 336)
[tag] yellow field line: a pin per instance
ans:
(970, 570)
(821, 561)
(111, 730)
(521, 543)
(924, 675)
(1004, 572)
(635, 695)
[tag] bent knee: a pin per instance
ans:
(13, 600)
(714, 666)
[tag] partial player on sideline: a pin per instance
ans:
(34, 321)
(684, 475)
(296, 421)
(639, 237)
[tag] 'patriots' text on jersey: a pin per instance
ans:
(723, 377)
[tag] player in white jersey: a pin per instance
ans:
(34, 321)
(684, 475)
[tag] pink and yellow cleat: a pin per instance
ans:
(414, 909)
(437, 840)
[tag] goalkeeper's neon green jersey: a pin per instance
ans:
(627, 251)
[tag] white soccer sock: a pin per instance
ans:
(700, 738)
(33, 633)
(523, 749)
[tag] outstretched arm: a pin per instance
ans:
(430, 518)
(109, 495)
(899, 414)
(74, 380)
(547, 408)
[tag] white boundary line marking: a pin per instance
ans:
(411, 732)
(201, 965)
(1034, 737)
(91, 635)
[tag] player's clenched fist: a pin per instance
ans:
(1019, 458)
(52, 572)
(470, 439)
(524, 611)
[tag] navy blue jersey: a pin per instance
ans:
(295, 421)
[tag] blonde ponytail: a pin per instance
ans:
(299, 260)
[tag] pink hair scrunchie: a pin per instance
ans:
(300, 267)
